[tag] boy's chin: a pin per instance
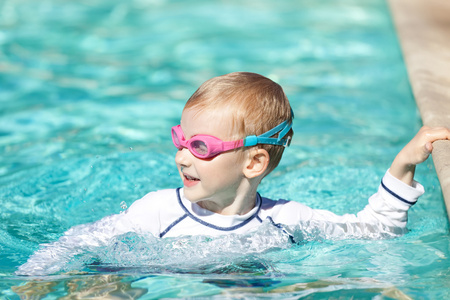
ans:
(191, 195)
(194, 196)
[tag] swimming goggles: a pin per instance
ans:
(207, 146)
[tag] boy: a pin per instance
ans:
(220, 179)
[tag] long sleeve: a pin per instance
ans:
(385, 215)
(52, 257)
(141, 217)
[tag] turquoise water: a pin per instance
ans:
(90, 89)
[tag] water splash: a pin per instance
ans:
(146, 254)
(191, 254)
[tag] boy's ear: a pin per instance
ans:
(257, 163)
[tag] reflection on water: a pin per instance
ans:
(81, 287)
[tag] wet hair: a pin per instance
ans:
(256, 103)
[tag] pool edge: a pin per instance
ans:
(423, 28)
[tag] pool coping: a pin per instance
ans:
(423, 28)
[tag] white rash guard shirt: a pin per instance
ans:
(167, 213)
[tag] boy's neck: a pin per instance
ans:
(244, 202)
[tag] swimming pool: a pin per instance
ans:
(90, 90)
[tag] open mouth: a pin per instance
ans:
(189, 180)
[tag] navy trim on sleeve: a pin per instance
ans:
(218, 227)
(396, 196)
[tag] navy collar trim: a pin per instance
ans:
(258, 198)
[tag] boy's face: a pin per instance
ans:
(216, 180)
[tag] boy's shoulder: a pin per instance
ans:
(284, 211)
(147, 213)
(156, 199)
(160, 194)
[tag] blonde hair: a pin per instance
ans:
(257, 103)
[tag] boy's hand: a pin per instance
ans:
(416, 152)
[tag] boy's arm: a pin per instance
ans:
(53, 257)
(416, 152)
(386, 213)
(384, 216)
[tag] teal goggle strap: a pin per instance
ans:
(266, 138)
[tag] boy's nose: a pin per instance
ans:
(183, 157)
